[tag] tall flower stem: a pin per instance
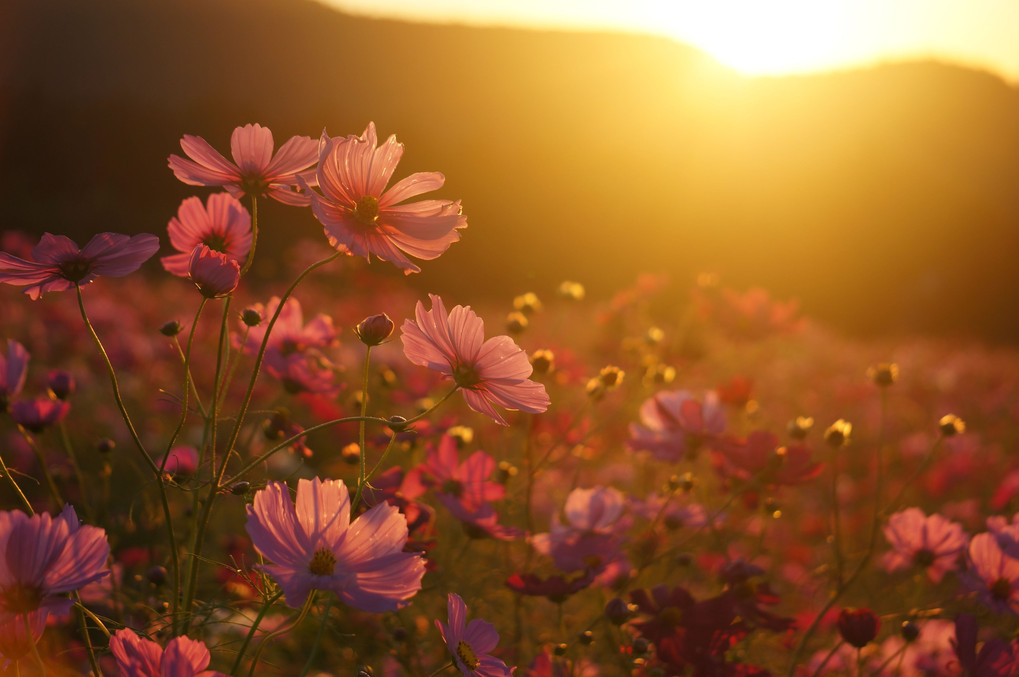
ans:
(189, 382)
(76, 467)
(217, 479)
(254, 628)
(368, 476)
(282, 631)
(58, 500)
(318, 637)
(361, 478)
(254, 235)
(14, 485)
(167, 515)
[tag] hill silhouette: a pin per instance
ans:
(885, 199)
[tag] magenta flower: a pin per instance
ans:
(362, 217)
(254, 170)
(59, 265)
(675, 424)
(468, 482)
(470, 644)
(930, 543)
(993, 574)
(139, 657)
(487, 372)
(224, 225)
(214, 273)
(13, 368)
(315, 546)
(40, 413)
(42, 557)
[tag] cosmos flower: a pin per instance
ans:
(487, 372)
(58, 264)
(314, 546)
(38, 414)
(223, 225)
(139, 657)
(42, 557)
(363, 217)
(13, 368)
(470, 644)
(469, 482)
(930, 543)
(214, 273)
(675, 424)
(255, 170)
(993, 574)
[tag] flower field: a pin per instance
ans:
(330, 474)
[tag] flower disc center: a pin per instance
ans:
(465, 652)
(366, 211)
(323, 562)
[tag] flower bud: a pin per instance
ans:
(574, 291)
(171, 328)
(560, 649)
(462, 435)
(156, 575)
(516, 322)
(60, 384)
(858, 626)
(618, 610)
(542, 361)
(799, 427)
(837, 434)
(884, 374)
(375, 329)
(214, 273)
(951, 425)
(397, 423)
(528, 303)
(909, 631)
(351, 453)
(105, 445)
(251, 317)
(239, 488)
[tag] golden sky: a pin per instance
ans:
(764, 37)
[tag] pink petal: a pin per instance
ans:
(251, 148)
(408, 187)
(323, 511)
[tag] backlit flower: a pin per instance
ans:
(993, 574)
(13, 368)
(314, 546)
(255, 170)
(223, 225)
(214, 273)
(929, 543)
(140, 657)
(492, 372)
(59, 265)
(363, 217)
(38, 414)
(42, 557)
(675, 424)
(470, 644)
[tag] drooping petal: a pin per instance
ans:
(184, 657)
(273, 528)
(136, 656)
(120, 256)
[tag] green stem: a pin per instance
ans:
(76, 467)
(44, 467)
(93, 662)
(189, 383)
(361, 477)
(318, 637)
(14, 485)
(254, 628)
(367, 478)
(217, 480)
(254, 235)
(282, 631)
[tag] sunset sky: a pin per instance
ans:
(763, 37)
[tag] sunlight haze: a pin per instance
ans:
(762, 38)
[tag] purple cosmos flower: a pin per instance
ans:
(59, 265)
(993, 574)
(42, 557)
(362, 217)
(255, 170)
(470, 643)
(224, 225)
(675, 424)
(214, 273)
(13, 368)
(930, 543)
(996, 658)
(315, 546)
(487, 372)
(139, 657)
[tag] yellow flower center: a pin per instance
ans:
(465, 376)
(366, 211)
(466, 654)
(322, 562)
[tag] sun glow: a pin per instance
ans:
(759, 38)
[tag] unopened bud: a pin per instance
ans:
(60, 384)
(799, 427)
(251, 317)
(351, 453)
(542, 361)
(618, 610)
(951, 425)
(397, 424)
(516, 322)
(884, 374)
(375, 329)
(574, 291)
(528, 303)
(171, 328)
(837, 434)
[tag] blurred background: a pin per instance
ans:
(879, 188)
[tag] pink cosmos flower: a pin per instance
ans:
(15, 640)
(930, 543)
(224, 225)
(470, 644)
(487, 372)
(42, 557)
(468, 482)
(13, 368)
(993, 574)
(59, 265)
(675, 424)
(38, 414)
(214, 273)
(254, 170)
(315, 546)
(139, 657)
(362, 217)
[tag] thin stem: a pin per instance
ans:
(441, 670)
(361, 477)
(254, 234)
(35, 646)
(254, 628)
(189, 382)
(69, 449)
(364, 482)
(44, 467)
(217, 480)
(318, 637)
(14, 485)
(282, 631)
(96, 671)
